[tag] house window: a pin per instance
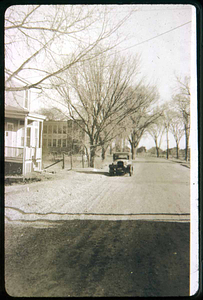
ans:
(81, 135)
(9, 127)
(59, 142)
(54, 142)
(50, 129)
(22, 122)
(59, 129)
(75, 126)
(49, 142)
(69, 140)
(55, 129)
(45, 128)
(28, 136)
(64, 142)
(45, 143)
(64, 129)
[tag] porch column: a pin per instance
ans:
(24, 149)
(41, 140)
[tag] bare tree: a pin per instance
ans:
(140, 126)
(167, 119)
(52, 114)
(181, 101)
(104, 145)
(38, 37)
(177, 129)
(156, 131)
(101, 96)
(138, 122)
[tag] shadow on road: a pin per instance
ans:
(152, 162)
(94, 172)
(100, 173)
(87, 258)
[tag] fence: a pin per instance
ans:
(64, 160)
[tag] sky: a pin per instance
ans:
(162, 36)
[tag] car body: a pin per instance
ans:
(121, 164)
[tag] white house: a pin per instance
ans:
(23, 132)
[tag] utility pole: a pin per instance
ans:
(167, 142)
(63, 165)
(68, 139)
(71, 153)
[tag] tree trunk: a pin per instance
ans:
(132, 150)
(186, 143)
(123, 144)
(167, 151)
(92, 155)
(110, 148)
(88, 158)
(103, 153)
(157, 149)
(177, 150)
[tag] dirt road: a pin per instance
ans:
(158, 189)
(84, 233)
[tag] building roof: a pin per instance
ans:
(20, 113)
(36, 116)
(15, 112)
(16, 109)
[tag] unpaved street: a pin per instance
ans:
(84, 233)
(94, 258)
(158, 189)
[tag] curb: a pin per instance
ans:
(182, 163)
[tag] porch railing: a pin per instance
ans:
(17, 152)
(14, 152)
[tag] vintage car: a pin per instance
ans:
(121, 164)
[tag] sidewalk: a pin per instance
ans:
(181, 162)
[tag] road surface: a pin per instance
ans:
(158, 189)
(121, 236)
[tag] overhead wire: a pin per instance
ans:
(155, 36)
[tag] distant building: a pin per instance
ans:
(153, 151)
(62, 136)
(141, 150)
(23, 132)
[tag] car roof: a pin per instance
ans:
(121, 153)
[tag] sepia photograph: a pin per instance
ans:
(101, 150)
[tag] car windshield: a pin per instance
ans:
(121, 156)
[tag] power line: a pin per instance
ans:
(141, 10)
(156, 36)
